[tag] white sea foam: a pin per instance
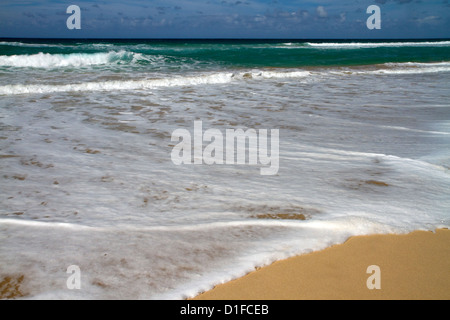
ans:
(29, 45)
(284, 75)
(220, 78)
(419, 64)
(47, 60)
(357, 45)
(408, 70)
(207, 78)
(399, 68)
(193, 80)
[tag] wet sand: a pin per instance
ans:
(412, 266)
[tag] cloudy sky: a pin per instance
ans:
(225, 19)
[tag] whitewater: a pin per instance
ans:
(87, 177)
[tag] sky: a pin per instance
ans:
(291, 19)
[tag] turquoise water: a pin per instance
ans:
(240, 53)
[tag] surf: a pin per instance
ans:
(149, 84)
(357, 45)
(47, 60)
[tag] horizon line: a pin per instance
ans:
(228, 39)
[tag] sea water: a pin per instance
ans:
(87, 178)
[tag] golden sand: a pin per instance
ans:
(412, 266)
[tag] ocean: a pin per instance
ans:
(87, 147)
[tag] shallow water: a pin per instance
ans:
(87, 177)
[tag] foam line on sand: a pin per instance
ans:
(411, 266)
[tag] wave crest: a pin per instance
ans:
(193, 80)
(47, 60)
(358, 45)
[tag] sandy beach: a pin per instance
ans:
(412, 266)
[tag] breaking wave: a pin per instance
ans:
(357, 45)
(47, 60)
(146, 84)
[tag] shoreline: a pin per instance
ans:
(413, 266)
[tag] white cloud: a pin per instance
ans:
(321, 12)
(428, 20)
